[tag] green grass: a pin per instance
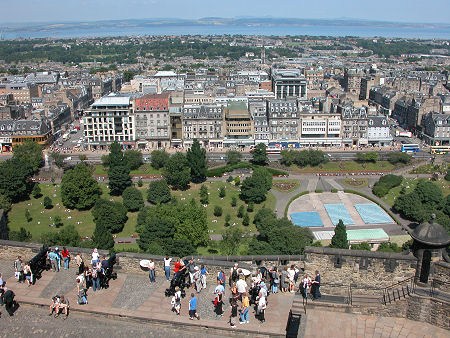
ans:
(214, 199)
(145, 169)
(296, 186)
(347, 166)
(362, 182)
(130, 247)
(430, 169)
(411, 183)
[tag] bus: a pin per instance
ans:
(410, 148)
(399, 133)
(441, 150)
(269, 150)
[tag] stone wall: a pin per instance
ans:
(430, 310)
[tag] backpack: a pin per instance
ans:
(234, 275)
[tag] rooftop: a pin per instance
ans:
(113, 100)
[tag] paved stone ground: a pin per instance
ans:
(337, 324)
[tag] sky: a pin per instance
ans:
(22, 11)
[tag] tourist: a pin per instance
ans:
(219, 288)
(53, 260)
(284, 283)
(204, 272)
(151, 271)
(79, 262)
(191, 269)
(167, 261)
(81, 297)
(64, 306)
(27, 274)
(316, 286)
(8, 299)
(275, 280)
(233, 313)
(305, 285)
(193, 308)
(66, 258)
(234, 274)
(234, 292)
(54, 304)
(95, 256)
(177, 267)
(18, 269)
(245, 308)
(2, 292)
(58, 258)
(291, 275)
(261, 307)
(1, 280)
(242, 286)
(176, 301)
(221, 277)
(198, 279)
(218, 304)
(95, 275)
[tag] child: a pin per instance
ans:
(82, 297)
(176, 302)
(193, 308)
(234, 310)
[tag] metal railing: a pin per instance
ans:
(398, 290)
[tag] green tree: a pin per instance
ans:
(102, 237)
(5, 203)
(133, 159)
(370, 156)
(430, 194)
(132, 199)
(58, 158)
(222, 192)
(204, 198)
(177, 172)
(233, 201)
(155, 230)
(79, 190)
(58, 222)
(246, 220)
(241, 211)
(339, 239)
(128, 75)
(48, 204)
(15, 182)
(158, 192)
(29, 153)
(255, 187)
(231, 241)
(258, 247)
(395, 158)
(389, 247)
(28, 216)
(20, 236)
(159, 158)
(140, 183)
(196, 158)
(250, 206)
(119, 179)
(217, 211)
(227, 220)
(230, 179)
(82, 157)
(237, 181)
(361, 246)
(233, 156)
(112, 215)
(260, 154)
(287, 239)
(36, 192)
(115, 157)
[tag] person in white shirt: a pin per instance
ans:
(261, 308)
(95, 256)
(291, 275)
(167, 261)
(241, 286)
(151, 271)
(176, 302)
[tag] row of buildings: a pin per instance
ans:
(163, 120)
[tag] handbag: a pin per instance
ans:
(17, 275)
(276, 281)
(216, 301)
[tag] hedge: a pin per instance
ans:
(292, 199)
(218, 172)
(349, 191)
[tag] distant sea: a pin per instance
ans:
(313, 30)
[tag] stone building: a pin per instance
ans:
(436, 129)
(204, 123)
(352, 80)
(14, 132)
(289, 83)
(238, 126)
(110, 119)
(283, 119)
(354, 126)
(153, 121)
(258, 111)
(320, 128)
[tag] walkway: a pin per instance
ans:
(322, 323)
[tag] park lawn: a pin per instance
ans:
(145, 169)
(334, 166)
(214, 199)
(130, 247)
(281, 185)
(430, 169)
(410, 184)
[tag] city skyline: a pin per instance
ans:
(31, 11)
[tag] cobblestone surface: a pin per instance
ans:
(6, 269)
(62, 283)
(135, 291)
(33, 321)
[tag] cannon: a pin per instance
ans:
(38, 264)
(108, 272)
(178, 280)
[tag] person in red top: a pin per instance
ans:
(178, 266)
(66, 258)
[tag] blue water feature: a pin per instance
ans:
(337, 212)
(373, 214)
(306, 219)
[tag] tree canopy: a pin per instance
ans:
(133, 159)
(233, 156)
(159, 158)
(132, 199)
(260, 154)
(339, 239)
(158, 192)
(79, 190)
(177, 172)
(29, 153)
(112, 215)
(196, 158)
(119, 179)
(255, 187)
